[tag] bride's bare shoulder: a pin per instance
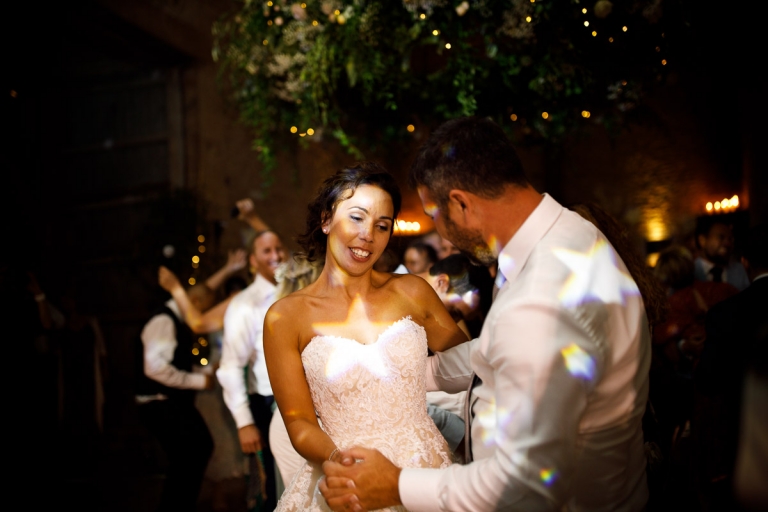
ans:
(406, 281)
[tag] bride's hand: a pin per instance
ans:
(365, 480)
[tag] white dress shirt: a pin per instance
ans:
(159, 339)
(243, 348)
(563, 356)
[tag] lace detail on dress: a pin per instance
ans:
(370, 395)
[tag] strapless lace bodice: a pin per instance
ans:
(370, 395)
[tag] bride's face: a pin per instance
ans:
(360, 228)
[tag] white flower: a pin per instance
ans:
(462, 8)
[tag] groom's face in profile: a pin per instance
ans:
(468, 241)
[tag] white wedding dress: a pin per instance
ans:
(373, 396)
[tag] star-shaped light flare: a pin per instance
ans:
(595, 276)
(349, 351)
(578, 362)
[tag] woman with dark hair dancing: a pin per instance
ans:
(349, 351)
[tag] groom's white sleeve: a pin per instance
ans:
(450, 371)
(528, 421)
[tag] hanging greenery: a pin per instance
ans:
(372, 72)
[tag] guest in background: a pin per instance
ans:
(450, 279)
(242, 371)
(678, 341)
(715, 260)
(388, 262)
(735, 346)
(228, 465)
(419, 258)
(681, 335)
(442, 246)
(165, 394)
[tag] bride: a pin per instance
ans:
(349, 351)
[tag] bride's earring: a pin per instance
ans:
(325, 230)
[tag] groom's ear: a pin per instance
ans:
(460, 205)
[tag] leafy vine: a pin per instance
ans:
(369, 72)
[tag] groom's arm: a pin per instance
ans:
(450, 371)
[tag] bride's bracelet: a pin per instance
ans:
(334, 452)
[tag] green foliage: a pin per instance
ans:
(362, 71)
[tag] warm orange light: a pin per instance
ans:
(195, 259)
(410, 128)
(192, 281)
(724, 205)
(513, 117)
(404, 226)
(545, 115)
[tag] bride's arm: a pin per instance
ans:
(442, 330)
(289, 385)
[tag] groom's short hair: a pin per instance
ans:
(468, 153)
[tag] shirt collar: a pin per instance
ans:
(261, 282)
(706, 265)
(514, 255)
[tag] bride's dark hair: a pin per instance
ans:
(335, 189)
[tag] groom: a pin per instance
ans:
(558, 378)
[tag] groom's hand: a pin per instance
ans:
(370, 483)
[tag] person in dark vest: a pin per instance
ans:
(165, 395)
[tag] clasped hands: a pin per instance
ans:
(362, 480)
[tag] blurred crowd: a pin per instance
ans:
(705, 423)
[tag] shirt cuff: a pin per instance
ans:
(196, 380)
(243, 416)
(420, 490)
